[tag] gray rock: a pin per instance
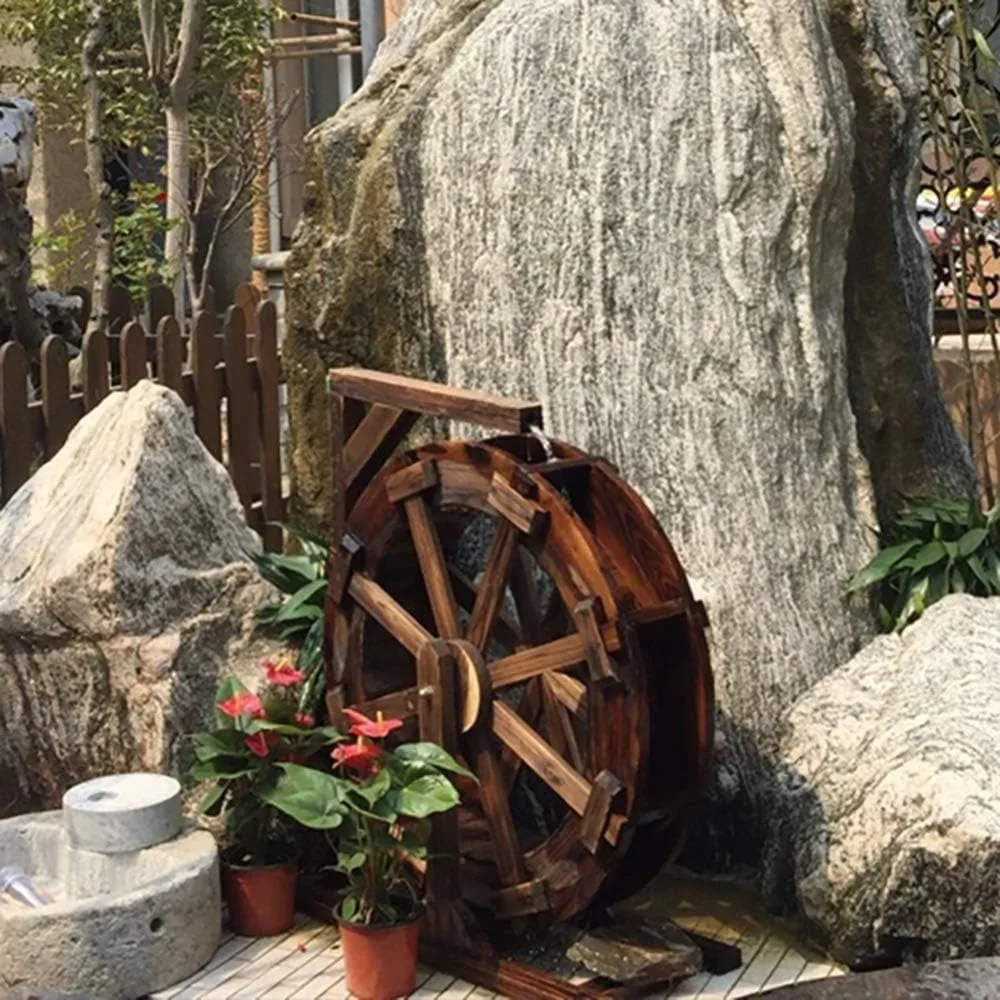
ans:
(126, 591)
(976, 979)
(36, 993)
(642, 213)
(637, 949)
(121, 926)
(891, 796)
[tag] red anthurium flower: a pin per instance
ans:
(242, 703)
(161, 198)
(282, 673)
(359, 756)
(378, 729)
(261, 744)
(305, 720)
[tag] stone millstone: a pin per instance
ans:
(973, 979)
(121, 813)
(637, 950)
(127, 589)
(891, 796)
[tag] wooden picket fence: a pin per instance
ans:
(230, 375)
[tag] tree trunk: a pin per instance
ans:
(178, 196)
(100, 191)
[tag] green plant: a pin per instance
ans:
(385, 803)
(936, 548)
(61, 245)
(244, 756)
(298, 618)
(140, 226)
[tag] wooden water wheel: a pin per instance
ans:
(515, 600)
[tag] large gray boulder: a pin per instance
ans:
(656, 218)
(891, 796)
(126, 591)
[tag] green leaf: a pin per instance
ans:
(312, 798)
(211, 804)
(432, 793)
(983, 46)
(221, 743)
(304, 601)
(928, 555)
(882, 565)
(432, 755)
(971, 541)
(349, 908)
(977, 567)
(350, 862)
(223, 769)
(373, 789)
(916, 604)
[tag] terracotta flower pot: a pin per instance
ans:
(381, 961)
(261, 899)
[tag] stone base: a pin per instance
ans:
(122, 925)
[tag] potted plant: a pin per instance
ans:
(255, 735)
(384, 798)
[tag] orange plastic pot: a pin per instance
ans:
(381, 961)
(261, 899)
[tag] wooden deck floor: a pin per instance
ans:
(306, 964)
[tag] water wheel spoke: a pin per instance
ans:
(572, 693)
(433, 567)
(559, 727)
(505, 630)
(493, 585)
(525, 593)
(389, 613)
(493, 800)
(529, 708)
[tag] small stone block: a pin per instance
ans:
(121, 813)
(637, 949)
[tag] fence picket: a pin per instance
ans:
(204, 358)
(133, 355)
(96, 377)
(238, 415)
(268, 414)
(120, 308)
(170, 354)
(160, 303)
(16, 444)
(57, 411)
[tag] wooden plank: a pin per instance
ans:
(522, 513)
(132, 349)
(246, 298)
(170, 354)
(493, 585)
(384, 608)
(416, 478)
(505, 630)
(381, 424)
(338, 438)
(560, 654)
(513, 415)
(344, 560)
(524, 589)
(529, 708)
(520, 900)
(433, 567)
(95, 369)
(160, 300)
(570, 786)
(207, 384)
(505, 978)
(238, 414)
(559, 727)
(403, 704)
(269, 423)
(346, 635)
(56, 409)
(16, 442)
(585, 615)
(436, 684)
(569, 691)
(603, 795)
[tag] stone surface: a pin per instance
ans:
(120, 813)
(126, 591)
(642, 214)
(122, 926)
(891, 794)
(638, 949)
(34, 993)
(976, 979)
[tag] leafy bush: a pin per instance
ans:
(937, 547)
(298, 619)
